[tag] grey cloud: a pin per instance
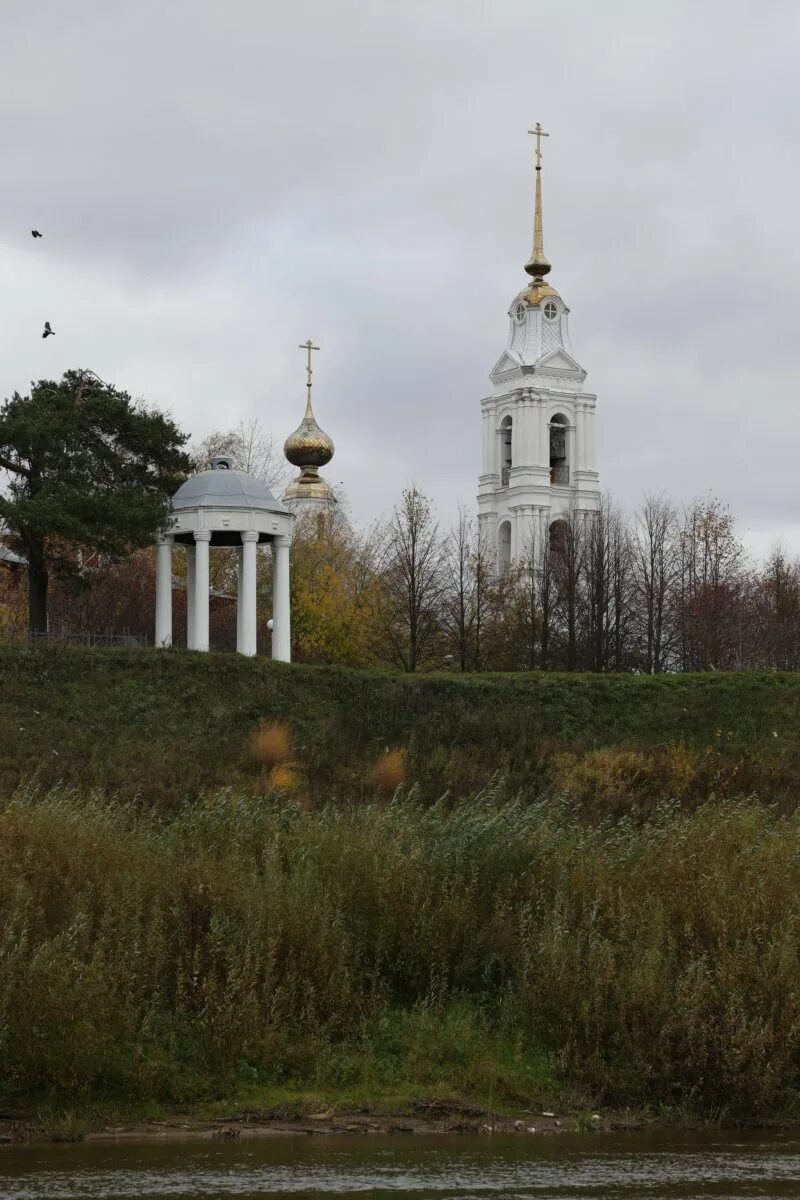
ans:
(223, 181)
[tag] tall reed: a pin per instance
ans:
(160, 958)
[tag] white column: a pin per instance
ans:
(517, 443)
(494, 443)
(590, 451)
(190, 595)
(281, 628)
(202, 539)
(572, 451)
(547, 520)
(580, 440)
(239, 568)
(543, 449)
(486, 432)
(521, 430)
(521, 549)
(246, 643)
(531, 424)
(164, 590)
(536, 532)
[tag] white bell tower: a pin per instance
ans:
(538, 449)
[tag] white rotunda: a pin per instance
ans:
(225, 507)
(538, 443)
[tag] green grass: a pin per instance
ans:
(65, 1126)
(166, 727)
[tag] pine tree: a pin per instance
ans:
(87, 467)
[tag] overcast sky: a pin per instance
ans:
(217, 182)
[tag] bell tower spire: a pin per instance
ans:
(537, 265)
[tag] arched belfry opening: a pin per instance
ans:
(506, 431)
(559, 451)
(559, 532)
(504, 547)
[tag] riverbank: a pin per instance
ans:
(419, 1118)
(423, 1116)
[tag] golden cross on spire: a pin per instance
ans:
(308, 347)
(538, 133)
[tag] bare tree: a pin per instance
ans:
(567, 545)
(482, 570)
(459, 608)
(548, 597)
(712, 579)
(623, 598)
(412, 582)
(607, 588)
(526, 616)
(656, 572)
(252, 449)
(773, 619)
(526, 604)
(597, 562)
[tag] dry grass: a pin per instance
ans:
(164, 959)
(390, 771)
(271, 743)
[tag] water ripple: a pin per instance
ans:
(456, 1169)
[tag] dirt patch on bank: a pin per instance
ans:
(419, 1117)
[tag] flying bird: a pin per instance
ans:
(48, 332)
(35, 233)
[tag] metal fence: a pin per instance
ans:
(82, 637)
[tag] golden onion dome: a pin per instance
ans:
(308, 446)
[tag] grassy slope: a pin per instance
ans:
(614, 979)
(171, 726)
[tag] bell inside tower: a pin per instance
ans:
(559, 463)
(505, 451)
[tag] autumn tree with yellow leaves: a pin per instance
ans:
(334, 586)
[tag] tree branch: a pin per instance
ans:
(17, 468)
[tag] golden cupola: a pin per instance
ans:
(309, 448)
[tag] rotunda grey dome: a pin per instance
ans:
(225, 489)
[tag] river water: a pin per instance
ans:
(567, 1167)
